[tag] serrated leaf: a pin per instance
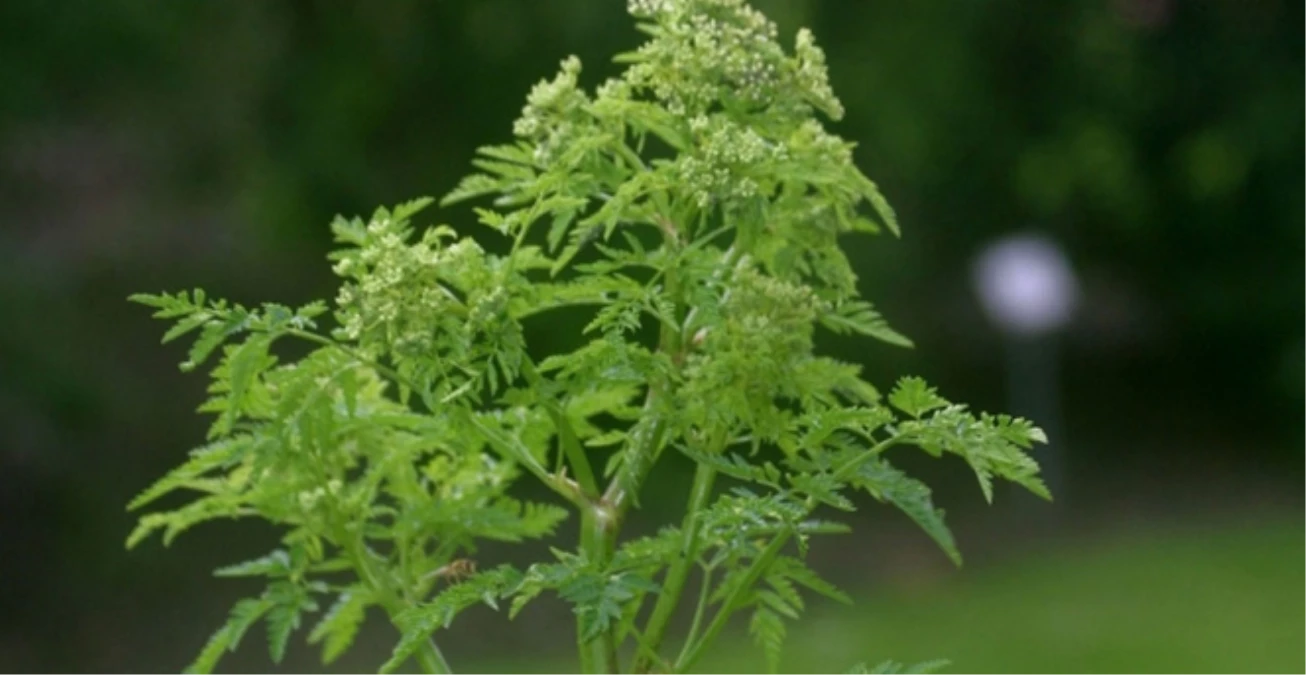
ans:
(340, 624)
(211, 337)
(227, 638)
(408, 209)
(768, 632)
(276, 563)
(218, 644)
(558, 228)
(913, 497)
(803, 575)
(244, 364)
(881, 205)
(859, 316)
(289, 603)
(892, 667)
(418, 623)
(202, 460)
(185, 326)
(914, 397)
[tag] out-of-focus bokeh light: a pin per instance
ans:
(1026, 284)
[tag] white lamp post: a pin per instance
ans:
(1029, 292)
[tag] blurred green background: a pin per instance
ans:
(148, 146)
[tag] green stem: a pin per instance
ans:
(851, 465)
(428, 654)
(690, 655)
(378, 367)
(431, 660)
(598, 538)
(512, 448)
(693, 651)
(642, 455)
(704, 592)
(674, 584)
(567, 438)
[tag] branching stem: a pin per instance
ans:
(598, 541)
(690, 655)
(674, 584)
(428, 655)
(704, 593)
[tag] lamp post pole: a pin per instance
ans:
(1029, 293)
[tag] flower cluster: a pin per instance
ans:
(812, 77)
(553, 113)
(399, 295)
(727, 156)
(707, 51)
(751, 356)
(722, 51)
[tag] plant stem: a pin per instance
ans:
(431, 660)
(842, 472)
(691, 654)
(598, 538)
(512, 448)
(674, 584)
(693, 651)
(428, 654)
(567, 439)
(704, 593)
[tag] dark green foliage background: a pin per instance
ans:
(146, 146)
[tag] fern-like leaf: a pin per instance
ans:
(891, 667)
(913, 497)
(227, 638)
(338, 627)
(768, 632)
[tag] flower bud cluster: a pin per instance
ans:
(728, 158)
(553, 115)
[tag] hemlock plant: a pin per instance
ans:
(695, 204)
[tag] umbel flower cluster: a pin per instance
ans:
(691, 211)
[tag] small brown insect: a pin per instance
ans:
(456, 571)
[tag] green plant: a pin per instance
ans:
(695, 204)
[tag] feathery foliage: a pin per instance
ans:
(698, 195)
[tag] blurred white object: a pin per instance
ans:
(1026, 285)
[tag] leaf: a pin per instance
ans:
(227, 638)
(203, 460)
(736, 466)
(993, 446)
(290, 601)
(559, 227)
(408, 209)
(888, 484)
(881, 205)
(174, 523)
(208, 658)
(274, 564)
(800, 573)
(768, 632)
(914, 397)
(244, 364)
(212, 337)
(517, 154)
(891, 667)
(186, 325)
(418, 623)
(859, 316)
(340, 624)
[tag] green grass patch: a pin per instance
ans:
(1215, 598)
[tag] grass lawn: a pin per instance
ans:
(1227, 598)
